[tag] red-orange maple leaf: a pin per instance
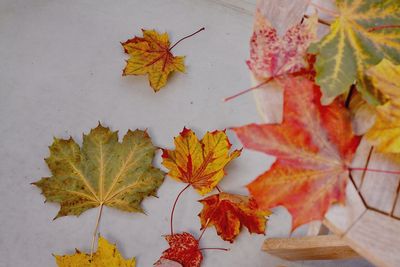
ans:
(228, 212)
(314, 146)
(184, 249)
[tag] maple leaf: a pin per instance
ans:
(151, 54)
(272, 56)
(184, 249)
(228, 212)
(167, 263)
(107, 255)
(314, 146)
(364, 33)
(199, 163)
(102, 172)
(385, 133)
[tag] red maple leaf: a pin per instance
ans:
(228, 212)
(184, 249)
(314, 146)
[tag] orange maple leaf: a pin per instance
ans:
(199, 163)
(184, 249)
(228, 212)
(151, 54)
(314, 147)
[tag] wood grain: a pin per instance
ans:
(376, 237)
(309, 248)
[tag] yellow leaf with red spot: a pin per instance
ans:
(228, 212)
(199, 163)
(107, 255)
(385, 133)
(314, 147)
(151, 54)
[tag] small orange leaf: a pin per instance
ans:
(184, 249)
(199, 163)
(314, 147)
(228, 212)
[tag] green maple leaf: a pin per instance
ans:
(365, 32)
(102, 172)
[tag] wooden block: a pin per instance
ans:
(321, 247)
(379, 189)
(361, 161)
(396, 208)
(340, 218)
(376, 237)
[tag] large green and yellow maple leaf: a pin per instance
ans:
(362, 35)
(102, 172)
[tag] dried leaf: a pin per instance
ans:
(271, 55)
(385, 133)
(103, 171)
(314, 146)
(360, 37)
(184, 249)
(228, 212)
(199, 163)
(151, 54)
(107, 255)
(167, 263)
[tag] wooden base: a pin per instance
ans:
(321, 247)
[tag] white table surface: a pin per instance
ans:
(60, 73)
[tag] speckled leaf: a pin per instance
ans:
(103, 171)
(184, 249)
(272, 55)
(364, 33)
(107, 255)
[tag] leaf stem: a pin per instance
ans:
(224, 249)
(190, 35)
(373, 170)
(204, 229)
(248, 90)
(173, 208)
(96, 228)
(377, 28)
(321, 21)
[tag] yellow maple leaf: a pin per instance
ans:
(385, 133)
(199, 163)
(107, 255)
(151, 54)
